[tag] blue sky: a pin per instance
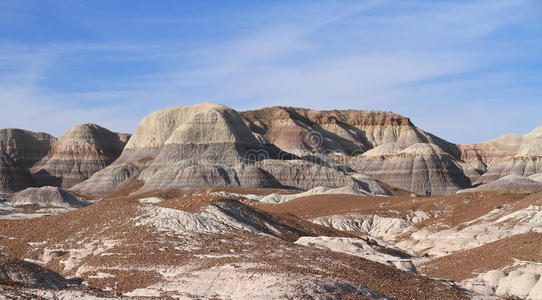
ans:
(464, 70)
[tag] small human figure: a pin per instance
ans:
(429, 193)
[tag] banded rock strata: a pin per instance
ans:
(12, 177)
(45, 196)
(80, 152)
(210, 145)
(19, 151)
(302, 131)
(506, 155)
(415, 168)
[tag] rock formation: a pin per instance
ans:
(79, 153)
(20, 150)
(25, 147)
(23, 273)
(278, 198)
(509, 154)
(109, 179)
(209, 125)
(210, 145)
(45, 196)
(302, 131)
(30, 159)
(511, 182)
(12, 177)
(307, 175)
(536, 177)
(415, 168)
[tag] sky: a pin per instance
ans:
(467, 71)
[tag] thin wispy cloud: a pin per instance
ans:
(435, 61)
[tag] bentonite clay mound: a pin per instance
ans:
(536, 177)
(79, 153)
(109, 179)
(20, 150)
(415, 168)
(13, 178)
(173, 133)
(509, 154)
(511, 183)
(210, 145)
(25, 147)
(302, 131)
(45, 196)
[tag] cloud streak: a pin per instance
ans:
(436, 62)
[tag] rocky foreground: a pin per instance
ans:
(206, 202)
(236, 243)
(184, 243)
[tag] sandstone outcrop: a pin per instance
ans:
(25, 147)
(210, 145)
(20, 150)
(509, 154)
(511, 182)
(304, 131)
(209, 125)
(415, 168)
(80, 152)
(12, 177)
(536, 177)
(263, 174)
(278, 198)
(45, 196)
(190, 173)
(109, 179)
(307, 175)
